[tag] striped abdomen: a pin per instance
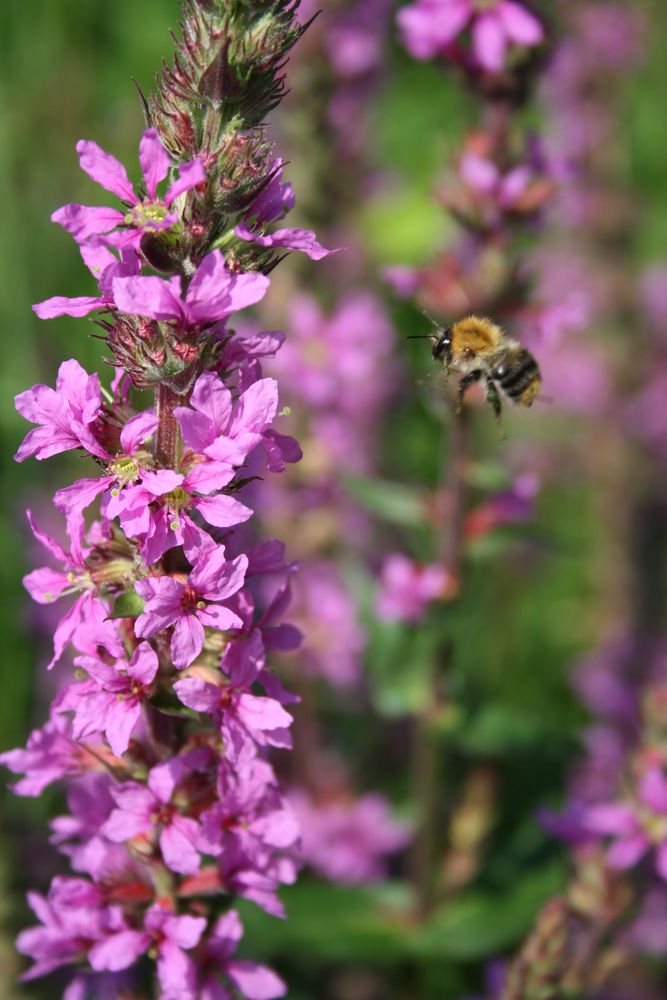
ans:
(517, 373)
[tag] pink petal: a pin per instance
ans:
(216, 577)
(177, 848)
(118, 951)
(151, 297)
(198, 695)
(46, 585)
(120, 720)
(626, 852)
(154, 161)
(207, 477)
(190, 175)
(427, 29)
(212, 398)
(653, 790)
(137, 430)
(83, 221)
(256, 982)
(187, 640)
(262, 713)
(61, 306)
(256, 408)
(106, 170)
(144, 664)
(478, 172)
(222, 511)
(520, 25)
(611, 819)
(185, 931)
(218, 617)
(489, 42)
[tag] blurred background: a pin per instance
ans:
(466, 655)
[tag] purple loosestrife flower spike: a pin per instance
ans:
(163, 735)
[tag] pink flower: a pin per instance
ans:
(142, 810)
(213, 294)
(75, 925)
(256, 982)
(113, 705)
(192, 605)
(49, 755)
(65, 415)
(146, 214)
(125, 468)
(46, 585)
(637, 827)
(406, 589)
(430, 27)
(272, 204)
(347, 841)
(156, 509)
(251, 815)
(228, 433)
(244, 718)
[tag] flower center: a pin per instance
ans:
(145, 216)
(124, 469)
(190, 601)
(176, 501)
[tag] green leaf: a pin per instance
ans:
(127, 605)
(393, 502)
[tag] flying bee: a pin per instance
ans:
(476, 348)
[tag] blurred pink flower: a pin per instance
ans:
(407, 589)
(347, 841)
(429, 28)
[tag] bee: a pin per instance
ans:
(477, 349)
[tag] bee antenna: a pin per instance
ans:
(434, 322)
(421, 336)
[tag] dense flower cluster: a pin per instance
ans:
(162, 736)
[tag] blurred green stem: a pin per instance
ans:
(425, 752)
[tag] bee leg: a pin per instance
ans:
(463, 386)
(493, 397)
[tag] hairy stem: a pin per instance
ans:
(168, 440)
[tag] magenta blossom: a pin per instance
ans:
(65, 415)
(247, 979)
(244, 718)
(192, 605)
(407, 589)
(46, 585)
(213, 426)
(48, 756)
(271, 205)
(348, 841)
(430, 27)
(213, 294)
(144, 810)
(156, 509)
(637, 827)
(251, 814)
(75, 925)
(146, 214)
(113, 705)
(171, 936)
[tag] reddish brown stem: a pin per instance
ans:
(168, 439)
